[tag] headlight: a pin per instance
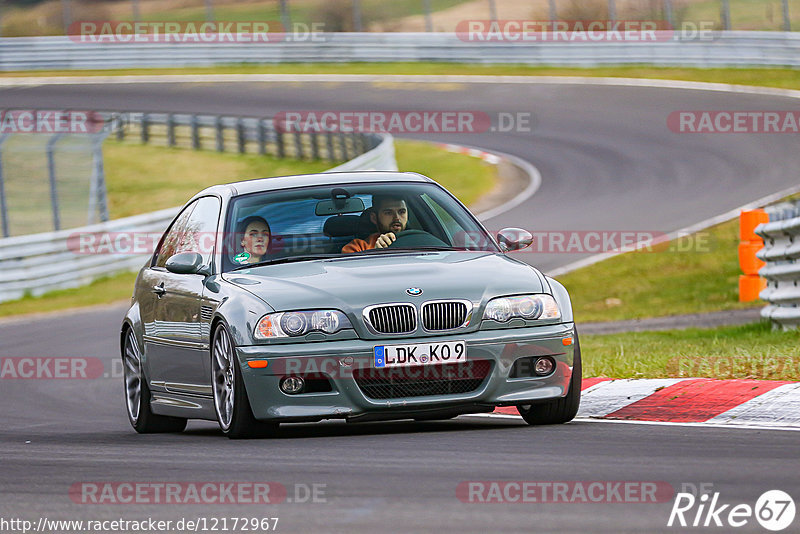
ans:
(523, 306)
(300, 323)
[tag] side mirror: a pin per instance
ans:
(187, 263)
(514, 239)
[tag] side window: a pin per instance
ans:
(173, 237)
(201, 229)
(193, 231)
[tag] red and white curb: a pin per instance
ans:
(703, 401)
(488, 157)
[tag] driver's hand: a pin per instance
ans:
(385, 240)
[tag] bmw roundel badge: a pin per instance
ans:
(414, 291)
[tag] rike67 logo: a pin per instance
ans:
(774, 510)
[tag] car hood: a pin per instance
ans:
(351, 283)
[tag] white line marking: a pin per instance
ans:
(702, 225)
(11, 81)
(636, 422)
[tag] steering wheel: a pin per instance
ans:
(417, 238)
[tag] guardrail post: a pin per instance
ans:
(357, 15)
(145, 125)
(209, 11)
(195, 132)
(787, 22)
(3, 206)
(750, 284)
(241, 138)
(492, 10)
(285, 18)
(219, 134)
(170, 130)
(261, 133)
(280, 145)
(51, 171)
(428, 20)
(329, 146)
(551, 4)
(343, 146)
(726, 15)
(668, 13)
(314, 141)
(298, 146)
(66, 15)
(612, 10)
(120, 130)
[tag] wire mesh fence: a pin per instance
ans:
(54, 181)
(50, 182)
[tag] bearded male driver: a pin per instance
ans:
(390, 216)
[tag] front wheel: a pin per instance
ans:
(137, 393)
(561, 410)
(234, 415)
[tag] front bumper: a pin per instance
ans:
(338, 360)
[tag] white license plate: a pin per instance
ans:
(420, 354)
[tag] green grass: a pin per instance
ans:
(102, 291)
(666, 281)
(749, 351)
(466, 177)
(786, 78)
(143, 178)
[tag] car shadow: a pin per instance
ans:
(327, 429)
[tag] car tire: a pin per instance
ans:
(137, 393)
(234, 414)
(561, 410)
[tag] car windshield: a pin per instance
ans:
(344, 220)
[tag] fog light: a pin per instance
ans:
(292, 385)
(544, 366)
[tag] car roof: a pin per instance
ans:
(305, 180)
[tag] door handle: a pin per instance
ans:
(159, 289)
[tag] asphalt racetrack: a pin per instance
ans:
(608, 162)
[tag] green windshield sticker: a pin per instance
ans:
(242, 258)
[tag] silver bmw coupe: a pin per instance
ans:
(360, 296)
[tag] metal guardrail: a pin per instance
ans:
(238, 134)
(781, 253)
(38, 263)
(726, 48)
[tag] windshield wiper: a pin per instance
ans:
(287, 259)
